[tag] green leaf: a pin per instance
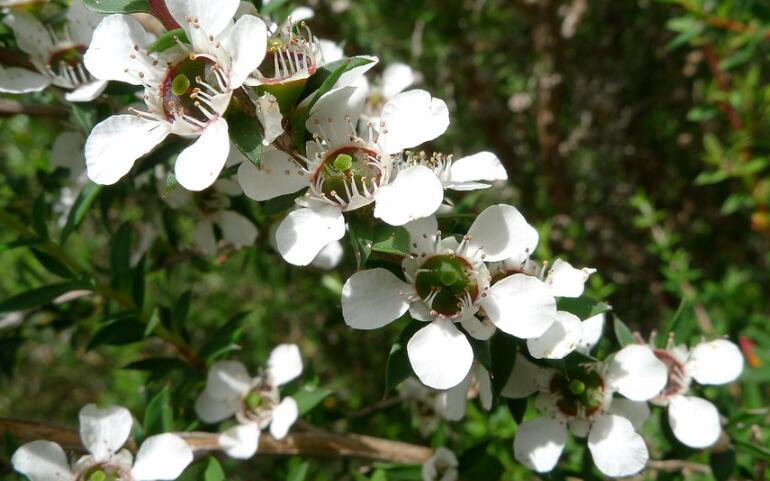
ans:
(224, 339)
(80, 208)
(158, 367)
(118, 333)
(722, 464)
(246, 132)
(213, 470)
(168, 40)
(120, 256)
(477, 463)
(517, 407)
(583, 306)
(118, 6)
(678, 325)
(158, 417)
(481, 352)
(309, 397)
(360, 237)
(138, 281)
(39, 215)
(281, 203)
(753, 448)
(503, 351)
(324, 79)
(40, 296)
(398, 367)
(298, 472)
(85, 114)
(391, 240)
(622, 332)
(52, 264)
(271, 7)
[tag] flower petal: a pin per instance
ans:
(451, 403)
(227, 380)
(276, 175)
(478, 329)
(396, 78)
(526, 379)
(616, 448)
(161, 457)
(236, 229)
(240, 441)
(67, 152)
(422, 234)
(440, 354)
(203, 233)
(467, 172)
(539, 443)
(104, 431)
(284, 364)
(116, 143)
(199, 165)
(374, 298)
(485, 386)
(247, 43)
(82, 22)
(521, 306)
(86, 92)
(329, 257)
(112, 56)
(304, 232)
(42, 461)
(501, 232)
(412, 118)
(211, 410)
(31, 36)
(635, 411)
(415, 193)
(558, 340)
(328, 117)
(213, 17)
(566, 281)
(284, 416)
(269, 115)
(636, 373)
(715, 362)
(15, 80)
(590, 333)
(694, 421)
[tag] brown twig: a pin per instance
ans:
(723, 81)
(12, 107)
(312, 443)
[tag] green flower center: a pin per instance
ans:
(446, 280)
(104, 472)
(66, 58)
(254, 400)
(579, 388)
(348, 170)
(182, 85)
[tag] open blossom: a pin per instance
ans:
(255, 402)
(447, 282)
(581, 399)
(103, 433)
(345, 170)
(212, 208)
(451, 403)
(57, 55)
(442, 466)
(187, 88)
(562, 280)
(694, 420)
(395, 78)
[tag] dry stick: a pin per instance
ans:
(313, 443)
(12, 107)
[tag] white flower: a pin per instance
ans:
(104, 432)
(396, 78)
(442, 466)
(694, 420)
(581, 399)
(187, 88)
(56, 54)
(448, 282)
(564, 335)
(344, 171)
(329, 257)
(212, 208)
(451, 404)
(254, 401)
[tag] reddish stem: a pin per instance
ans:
(160, 10)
